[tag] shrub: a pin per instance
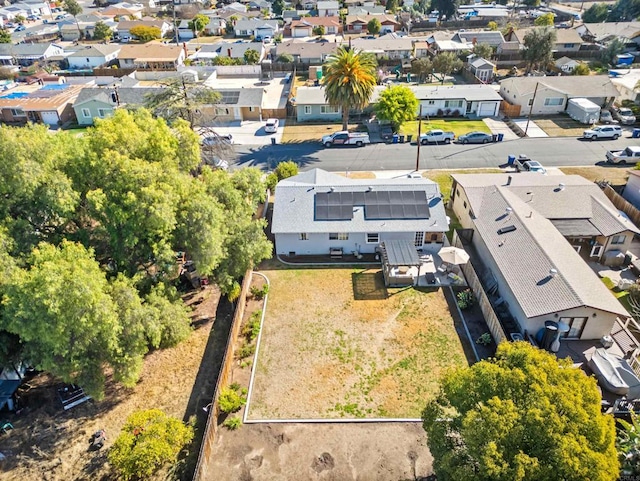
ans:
(271, 181)
(439, 113)
(246, 351)
(149, 439)
(485, 339)
(252, 328)
(455, 113)
(232, 423)
(259, 292)
(230, 400)
(466, 299)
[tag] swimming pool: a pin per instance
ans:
(14, 95)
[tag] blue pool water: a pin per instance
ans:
(14, 95)
(54, 87)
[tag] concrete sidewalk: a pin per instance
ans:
(249, 132)
(533, 130)
(497, 126)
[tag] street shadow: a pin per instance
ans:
(267, 157)
(368, 286)
(604, 163)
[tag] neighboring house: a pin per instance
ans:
(307, 52)
(101, 102)
(438, 45)
(25, 54)
(566, 64)
(533, 235)
(329, 8)
(371, 10)
(151, 57)
(185, 33)
(216, 26)
(567, 39)
(126, 10)
(483, 69)
(468, 100)
(93, 56)
(237, 104)
(317, 212)
(554, 92)
(304, 27)
(311, 104)
(256, 28)
(494, 39)
(125, 26)
(309, 4)
(228, 14)
(358, 23)
(225, 49)
(605, 32)
(51, 105)
(388, 46)
(421, 49)
(512, 47)
(626, 81)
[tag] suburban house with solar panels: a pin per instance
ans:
(530, 237)
(321, 213)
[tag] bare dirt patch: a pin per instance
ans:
(51, 444)
(613, 174)
(561, 127)
(324, 354)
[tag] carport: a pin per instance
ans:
(400, 263)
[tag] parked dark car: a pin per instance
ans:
(475, 138)
(386, 133)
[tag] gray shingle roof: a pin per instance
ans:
(294, 207)
(490, 38)
(130, 96)
(573, 86)
(526, 256)
(96, 51)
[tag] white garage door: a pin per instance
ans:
(487, 109)
(50, 117)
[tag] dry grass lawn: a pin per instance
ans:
(305, 132)
(326, 354)
(561, 127)
(613, 174)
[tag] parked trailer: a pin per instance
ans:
(583, 110)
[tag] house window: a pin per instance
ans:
(329, 109)
(452, 103)
(103, 112)
(434, 237)
(576, 326)
(618, 239)
(221, 111)
(464, 202)
(304, 236)
(250, 109)
(431, 102)
(373, 238)
(419, 239)
(343, 236)
(569, 45)
(86, 113)
(530, 102)
(18, 113)
(307, 109)
(553, 101)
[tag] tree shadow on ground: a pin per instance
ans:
(267, 157)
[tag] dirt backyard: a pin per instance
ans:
(48, 443)
(337, 344)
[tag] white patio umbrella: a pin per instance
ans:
(453, 255)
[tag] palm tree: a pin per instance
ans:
(350, 77)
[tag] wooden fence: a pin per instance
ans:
(473, 281)
(211, 428)
(622, 204)
(510, 110)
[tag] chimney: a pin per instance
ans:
(509, 180)
(474, 41)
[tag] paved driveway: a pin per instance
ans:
(249, 132)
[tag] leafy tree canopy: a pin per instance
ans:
(198, 23)
(374, 26)
(285, 58)
(614, 48)
(582, 69)
(446, 63)
(422, 67)
(545, 20)
(145, 33)
(251, 56)
(483, 50)
(493, 26)
(596, 13)
(397, 104)
(446, 8)
(102, 31)
(538, 45)
(5, 36)
(278, 6)
(319, 30)
(524, 415)
(72, 7)
(148, 440)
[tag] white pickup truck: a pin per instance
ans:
(629, 155)
(346, 138)
(437, 137)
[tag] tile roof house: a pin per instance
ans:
(151, 56)
(93, 56)
(316, 212)
(304, 27)
(358, 23)
(532, 235)
(554, 92)
(51, 105)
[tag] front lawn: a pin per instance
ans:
(337, 344)
(458, 127)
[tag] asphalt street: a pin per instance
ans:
(552, 152)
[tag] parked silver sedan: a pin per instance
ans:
(475, 138)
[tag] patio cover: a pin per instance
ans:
(399, 253)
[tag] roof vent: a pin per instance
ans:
(561, 186)
(509, 180)
(331, 189)
(369, 189)
(553, 273)
(505, 230)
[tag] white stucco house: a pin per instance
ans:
(566, 64)
(93, 56)
(329, 8)
(319, 213)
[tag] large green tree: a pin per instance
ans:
(446, 8)
(612, 49)
(538, 47)
(446, 63)
(350, 77)
(423, 68)
(102, 31)
(545, 20)
(624, 11)
(596, 13)
(374, 26)
(145, 33)
(251, 56)
(198, 23)
(5, 36)
(277, 7)
(73, 8)
(483, 50)
(524, 415)
(397, 104)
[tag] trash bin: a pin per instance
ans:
(401, 139)
(273, 141)
(511, 160)
(636, 133)
(409, 137)
(395, 138)
(500, 137)
(494, 138)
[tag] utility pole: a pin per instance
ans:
(419, 131)
(533, 101)
(175, 26)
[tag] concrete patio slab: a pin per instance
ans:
(533, 130)
(249, 132)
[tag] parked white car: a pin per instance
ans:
(603, 132)
(271, 127)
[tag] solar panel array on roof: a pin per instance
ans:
(230, 97)
(380, 205)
